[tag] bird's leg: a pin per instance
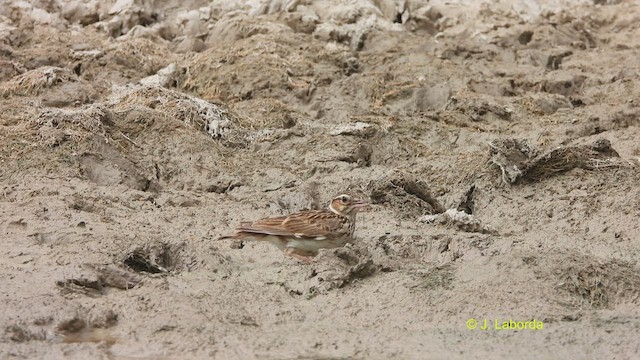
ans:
(294, 253)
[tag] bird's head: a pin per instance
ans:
(346, 205)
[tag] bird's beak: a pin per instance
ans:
(360, 204)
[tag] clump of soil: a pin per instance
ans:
(520, 161)
(411, 197)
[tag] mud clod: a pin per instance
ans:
(88, 287)
(519, 161)
(403, 191)
(93, 280)
(78, 330)
(339, 267)
(359, 129)
(20, 334)
(361, 155)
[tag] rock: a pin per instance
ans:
(167, 77)
(83, 13)
(121, 6)
(185, 44)
(361, 129)
(563, 84)
(303, 23)
(547, 104)
(461, 219)
(130, 13)
(190, 23)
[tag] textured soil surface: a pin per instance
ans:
(497, 143)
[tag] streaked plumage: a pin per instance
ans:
(302, 234)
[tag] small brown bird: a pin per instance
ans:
(302, 234)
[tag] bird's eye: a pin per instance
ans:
(344, 199)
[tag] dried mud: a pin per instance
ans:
(497, 143)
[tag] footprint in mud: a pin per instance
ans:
(150, 260)
(77, 329)
(94, 280)
(17, 226)
(160, 258)
(112, 171)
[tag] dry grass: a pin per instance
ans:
(229, 73)
(34, 81)
(519, 160)
(596, 283)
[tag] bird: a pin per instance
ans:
(301, 235)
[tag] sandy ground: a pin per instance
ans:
(497, 142)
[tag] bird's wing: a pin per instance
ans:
(311, 224)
